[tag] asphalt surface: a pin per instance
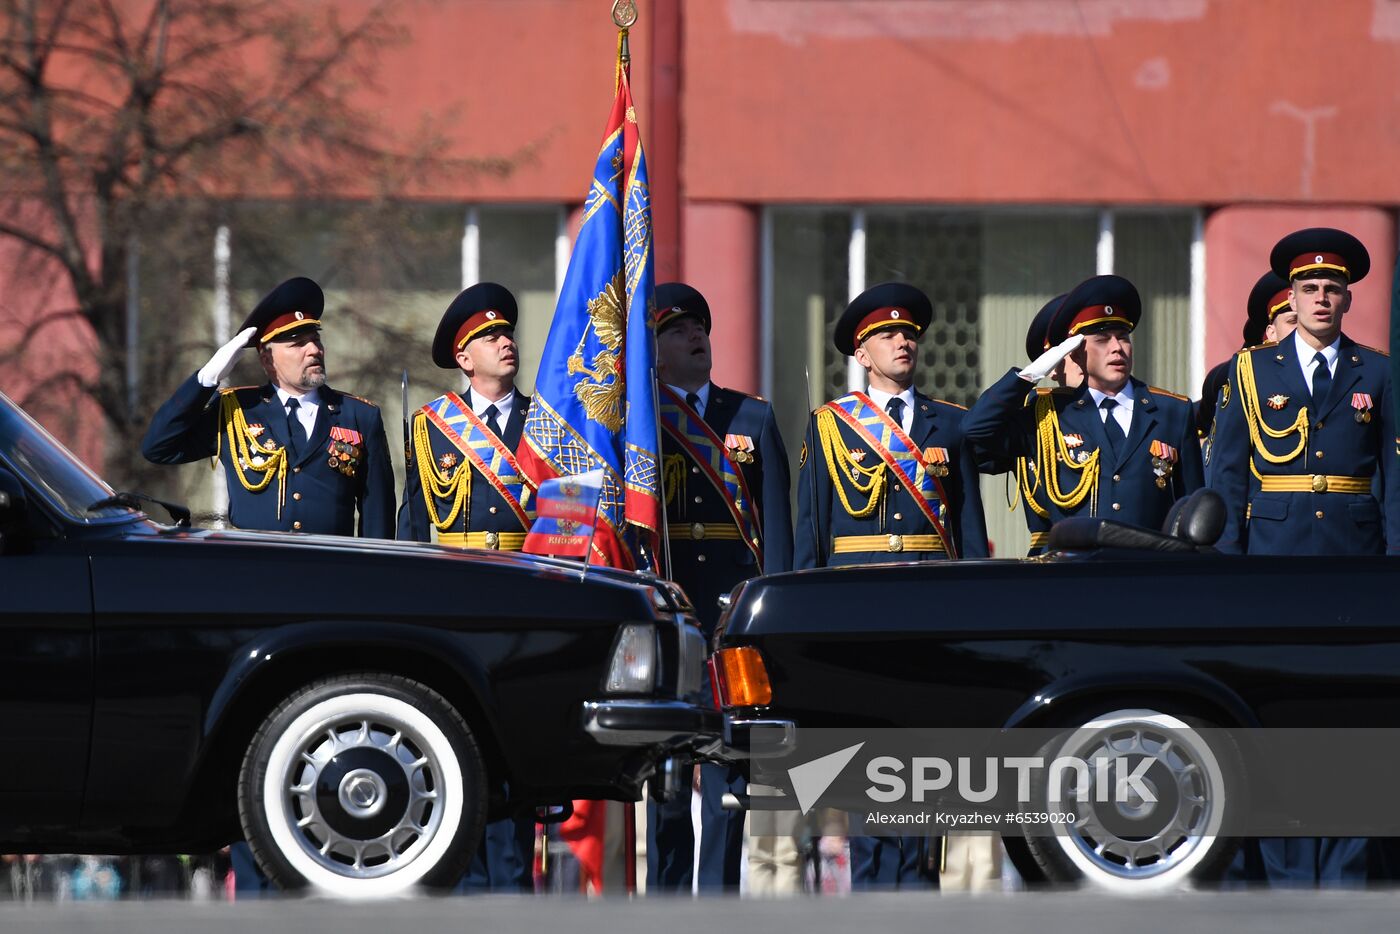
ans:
(1060, 913)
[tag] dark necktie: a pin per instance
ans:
(692, 399)
(495, 426)
(1111, 426)
(294, 432)
(1322, 384)
(896, 409)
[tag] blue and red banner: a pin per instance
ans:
(594, 406)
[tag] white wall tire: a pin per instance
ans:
(1174, 842)
(363, 786)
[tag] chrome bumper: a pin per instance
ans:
(651, 723)
(758, 739)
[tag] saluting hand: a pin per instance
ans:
(1045, 364)
(221, 364)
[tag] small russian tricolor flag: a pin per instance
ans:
(566, 512)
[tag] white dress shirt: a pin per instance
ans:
(882, 399)
(1307, 356)
(703, 392)
(308, 406)
(503, 406)
(1123, 412)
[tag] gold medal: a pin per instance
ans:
(1161, 483)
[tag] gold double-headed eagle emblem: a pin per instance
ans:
(601, 390)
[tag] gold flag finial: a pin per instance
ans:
(624, 13)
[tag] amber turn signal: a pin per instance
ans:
(743, 679)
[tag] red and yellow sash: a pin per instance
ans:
(685, 427)
(899, 453)
(487, 453)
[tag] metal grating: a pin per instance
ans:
(942, 255)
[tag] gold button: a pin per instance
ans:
(297, 525)
(896, 543)
(896, 487)
(1116, 478)
(898, 516)
(491, 510)
(1318, 425)
(697, 531)
(1117, 506)
(695, 470)
(296, 470)
(296, 496)
(1319, 513)
(1319, 484)
(700, 558)
(1318, 454)
(698, 500)
(493, 540)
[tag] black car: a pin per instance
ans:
(357, 709)
(1119, 632)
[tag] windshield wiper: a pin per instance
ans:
(179, 513)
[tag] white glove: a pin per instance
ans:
(1045, 364)
(221, 364)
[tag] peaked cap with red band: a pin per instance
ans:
(1038, 334)
(889, 305)
(478, 310)
(675, 300)
(286, 311)
(1268, 297)
(1096, 305)
(1320, 251)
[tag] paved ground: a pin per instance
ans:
(1062, 913)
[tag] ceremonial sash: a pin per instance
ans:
(899, 453)
(684, 426)
(460, 425)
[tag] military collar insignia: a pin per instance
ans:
(1277, 401)
(1074, 441)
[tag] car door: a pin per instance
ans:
(45, 684)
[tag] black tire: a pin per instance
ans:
(363, 785)
(1143, 848)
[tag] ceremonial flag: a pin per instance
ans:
(594, 406)
(566, 509)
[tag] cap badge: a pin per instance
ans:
(1108, 310)
(1317, 258)
(490, 316)
(894, 313)
(1276, 401)
(299, 316)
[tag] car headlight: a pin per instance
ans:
(634, 660)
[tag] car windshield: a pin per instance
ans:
(50, 468)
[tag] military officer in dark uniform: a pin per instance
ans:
(1119, 448)
(1305, 455)
(1067, 374)
(1319, 439)
(728, 517)
(884, 476)
(464, 484)
(299, 456)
